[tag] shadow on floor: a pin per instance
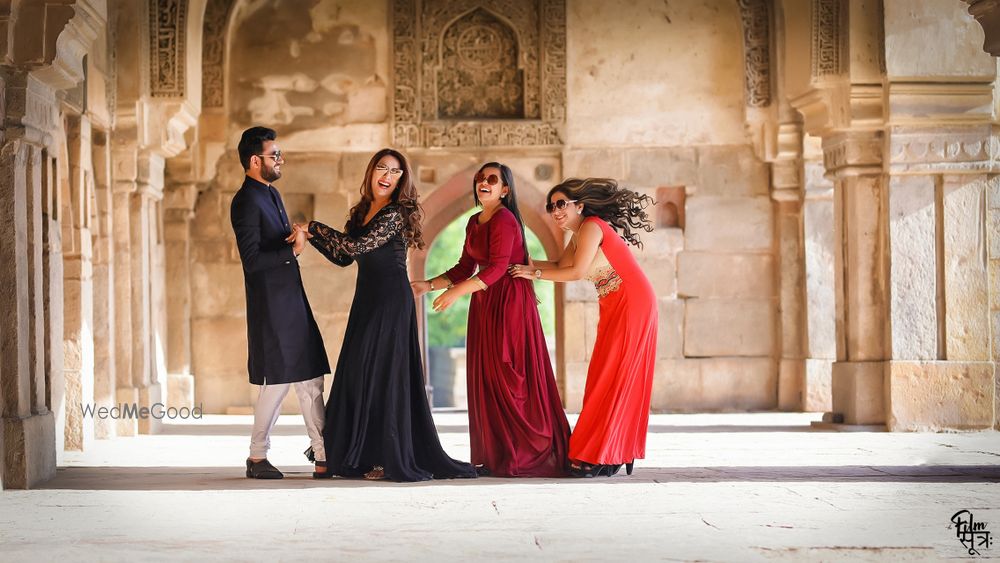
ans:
(299, 477)
(300, 430)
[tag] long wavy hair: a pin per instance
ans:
(405, 196)
(510, 201)
(622, 208)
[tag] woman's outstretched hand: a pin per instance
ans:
(446, 299)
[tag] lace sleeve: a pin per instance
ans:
(332, 242)
(323, 239)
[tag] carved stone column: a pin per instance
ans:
(78, 303)
(854, 160)
(818, 233)
(786, 193)
(124, 157)
(144, 223)
(29, 453)
(105, 329)
(179, 212)
(942, 157)
(939, 209)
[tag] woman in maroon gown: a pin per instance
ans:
(517, 424)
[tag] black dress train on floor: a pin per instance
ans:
(377, 413)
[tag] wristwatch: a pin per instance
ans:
(538, 274)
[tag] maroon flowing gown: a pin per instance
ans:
(517, 425)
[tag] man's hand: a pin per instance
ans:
(296, 229)
(299, 244)
(297, 239)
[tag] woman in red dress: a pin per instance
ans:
(517, 425)
(611, 430)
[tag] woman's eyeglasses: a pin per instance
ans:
(492, 179)
(382, 169)
(560, 205)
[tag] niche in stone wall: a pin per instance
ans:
(481, 73)
(478, 77)
(670, 207)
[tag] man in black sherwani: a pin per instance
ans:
(286, 349)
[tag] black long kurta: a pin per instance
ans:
(285, 343)
(377, 413)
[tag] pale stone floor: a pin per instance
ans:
(730, 487)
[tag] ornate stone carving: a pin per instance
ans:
(827, 48)
(111, 86)
(424, 103)
(479, 76)
(167, 33)
(853, 151)
(966, 149)
(756, 18)
(213, 54)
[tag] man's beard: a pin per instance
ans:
(269, 173)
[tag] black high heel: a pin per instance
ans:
(629, 466)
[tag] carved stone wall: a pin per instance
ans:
(167, 22)
(525, 46)
(756, 19)
(828, 57)
(478, 76)
(213, 53)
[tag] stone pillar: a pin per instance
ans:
(29, 455)
(942, 151)
(941, 373)
(817, 220)
(125, 164)
(786, 193)
(854, 160)
(105, 333)
(143, 268)
(180, 202)
(993, 230)
(78, 310)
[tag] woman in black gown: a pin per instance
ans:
(378, 421)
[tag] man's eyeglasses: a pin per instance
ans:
(560, 205)
(276, 155)
(382, 169)
(492, 179)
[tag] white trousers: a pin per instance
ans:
(265, 414)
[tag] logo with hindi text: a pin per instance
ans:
(973, 535)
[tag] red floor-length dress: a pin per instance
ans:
(517, 425)
(615, 415)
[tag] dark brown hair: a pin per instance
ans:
(405, 196)
(622, 208)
